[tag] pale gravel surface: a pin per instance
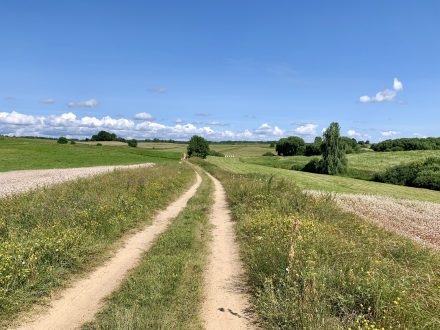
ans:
(417, 220)
(19, 181)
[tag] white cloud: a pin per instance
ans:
(92, 103)
(353, 133)
(397, 85)
(389, 133)
(420, 135)
(386, 95)
(16, 118)
(143, 116)
(306, 129)
(265, 130)
(157, 90)
(47, 101)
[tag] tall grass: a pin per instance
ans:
(312, 266)
(165, 290)
(48, 234)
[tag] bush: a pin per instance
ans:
(424, 174)
(104, 136)
(99, 144)
(290, 146)
(132, 143)
(198, 147)
(216, 153)
(62, 140)
(269, 154)
(405, 144)
(313, 166)
(72, 142)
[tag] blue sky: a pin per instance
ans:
(226, 69)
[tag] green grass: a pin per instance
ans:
(165, 290)
(360, 166)
(49, 234)
(311, 266)
(25, 154)
(328, 182)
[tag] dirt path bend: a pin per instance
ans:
(226, 305)
(80, 302)
(19, 181)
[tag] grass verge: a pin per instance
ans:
(48, 234)
(312, 266)
(165, 290)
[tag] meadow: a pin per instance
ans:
(312, 266)
(49, 234)
(328, 183)
(26, 154)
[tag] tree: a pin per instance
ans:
(104, 136)
(198, 147)
(132, 143)
(62, 140)
(313, 149)
(333, 153)
(290, 146)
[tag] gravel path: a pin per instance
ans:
(226, 305)
(79, 303)
(20, 181)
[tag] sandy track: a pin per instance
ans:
(225, 306)
(79, 303)
(20, 181)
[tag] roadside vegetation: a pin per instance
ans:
(49, 234)
(165, 290)
(28, 154)
(312, 266)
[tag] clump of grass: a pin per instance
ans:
(312, 266)
(165, 290)
(48, 234)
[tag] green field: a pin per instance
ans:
(328, 182)
(361, 165)
(25, 154)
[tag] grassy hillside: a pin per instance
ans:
(312, 266)
(327, 182)
(361, 166)
(24, 154)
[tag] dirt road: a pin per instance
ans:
(20, 181)
(225, 305)
(80, 302)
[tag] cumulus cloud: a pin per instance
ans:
(353, 133)
(306, 129)
(389, 133)
(143, 116)
(71, 125)
(92, 103)
(157, 90)
(386, 95)
(47, 101)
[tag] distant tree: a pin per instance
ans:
(72, 142)
(104, 136)
(290, 146)
(62, 140)
(198, 147)
(350, 145)
(313, 149)
(333, 153)
(132, 143)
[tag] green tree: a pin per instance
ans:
(104, 136)
(132, 143)
(198, 147)
(62, 140)
(333, 153)
(290, 146)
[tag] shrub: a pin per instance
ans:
(132, 143)
(290, 146)
(72, 142)
(424, 174)
(198, 147)
(104, 136)
(216, 153)
(99, 144)
(269, 154)
(313, 166)
(350, 145)
(333, 153)
(62, 140)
